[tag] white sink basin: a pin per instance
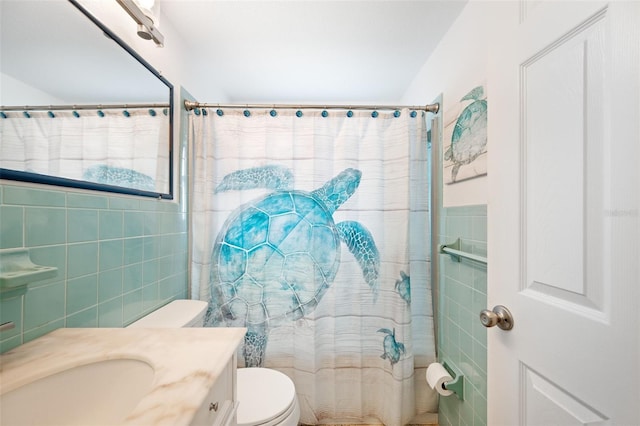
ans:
(100, 393)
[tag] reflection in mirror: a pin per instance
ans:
(79, 107)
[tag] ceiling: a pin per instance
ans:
(299, 51)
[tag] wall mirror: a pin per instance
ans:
(78, 107)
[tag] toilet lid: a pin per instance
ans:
(264, 394)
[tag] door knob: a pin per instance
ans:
(499, 316)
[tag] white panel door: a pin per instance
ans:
(564, 215)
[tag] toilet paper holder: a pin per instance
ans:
(457, 384)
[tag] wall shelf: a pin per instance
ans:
(17, 269)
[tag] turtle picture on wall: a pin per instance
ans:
(465, 138)
(276, 256)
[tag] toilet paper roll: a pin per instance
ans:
(437, 376)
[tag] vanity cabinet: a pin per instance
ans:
(220, 406)
(179, 368)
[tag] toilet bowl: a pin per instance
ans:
(266, 397)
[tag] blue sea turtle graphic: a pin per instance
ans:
(469, 138)
(403, 287)
(110, 175)
(393, 350)
(276, 256)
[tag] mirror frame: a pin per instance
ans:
(17, 175)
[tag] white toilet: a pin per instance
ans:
(267, 397)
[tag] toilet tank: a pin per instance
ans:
(177, 314)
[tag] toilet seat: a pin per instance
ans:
(267, 397)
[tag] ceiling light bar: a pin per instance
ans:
(146, 27)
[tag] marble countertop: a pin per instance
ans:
(187, 362)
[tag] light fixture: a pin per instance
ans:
(144, 18)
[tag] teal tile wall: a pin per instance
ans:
(118, 258)
(462, 339)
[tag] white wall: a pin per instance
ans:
(168, 60)
(171, 60)
(16, 92)
(457, 65)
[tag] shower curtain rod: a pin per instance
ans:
(77, 107)
(434, 108)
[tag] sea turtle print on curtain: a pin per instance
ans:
(403, 287)
(276, 256)
(392, 349)
(119, 176)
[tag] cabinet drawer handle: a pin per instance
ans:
(213, 407)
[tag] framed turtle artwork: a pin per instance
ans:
(465, 138)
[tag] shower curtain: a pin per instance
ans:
(110, 146)
(310, 228)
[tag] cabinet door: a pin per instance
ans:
(219, 407)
